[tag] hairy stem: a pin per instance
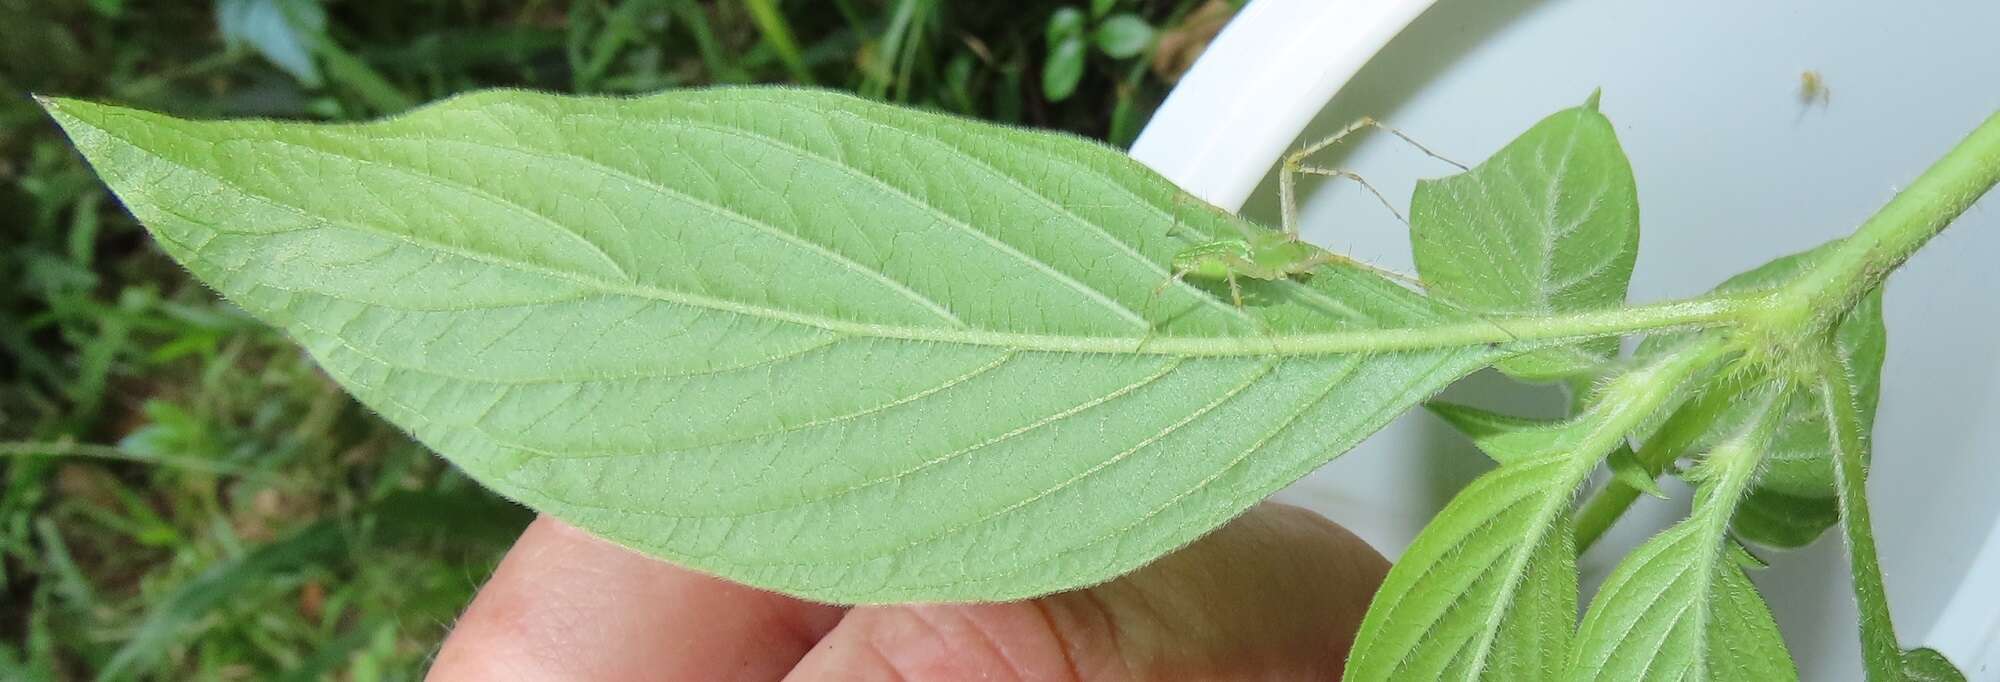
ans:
(1602, 510)
(1881, 654)
(1911, 219)
(1821, 296)
(1524, 332)
(1674, 437)
(1607, 505)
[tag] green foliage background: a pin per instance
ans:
(183, 495)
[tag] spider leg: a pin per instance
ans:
(1331, 258)
(1367, 122)
(1176, 227)
(1295, 166)
(1356, 177)
(1147, 311)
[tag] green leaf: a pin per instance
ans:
(1512, 439)
(1099, 8)
(1743, 557)
(1774, 519)
(1063, 70)
(284, 31)
(191, 602)
(1065, 24)
(1927, 665)
(1488, 590)
(1626, 469)
(1123, 36)
(1679, 607)
(1673, 610)
(1549, 223)
(1504, 438)
(797, 339)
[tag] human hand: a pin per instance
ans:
(1275, 594)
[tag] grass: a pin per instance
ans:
(183, 495)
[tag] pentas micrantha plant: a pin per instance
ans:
(859, 353)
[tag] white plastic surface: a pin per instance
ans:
(1261, 81)
(1733, 169)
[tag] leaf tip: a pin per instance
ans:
(56, 107)
(1466, 419)
(65, 111)
(1625, 468)
(1745, 558)
(1591, 102)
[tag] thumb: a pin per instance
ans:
(1275, 594)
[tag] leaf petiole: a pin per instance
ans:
(1882, 653)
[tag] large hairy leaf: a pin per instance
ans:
(1549, 223)
(815, 344)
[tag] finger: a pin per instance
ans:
(1275, 594)
(567, 606)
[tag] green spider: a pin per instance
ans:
(1274, 255)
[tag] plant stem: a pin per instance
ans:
(1688, 423)
(1913, 217)
(1518, 333)
(1732, 464)
(1822, 295)
(1881, 653)
(1628, 406)
(1602, 510)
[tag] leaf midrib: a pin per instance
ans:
(1500, 606)
(1545, 288)
(1379, 339)
(1573, 471)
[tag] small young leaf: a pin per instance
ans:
(1625, 467)
(1099, 8)
(1512, 439)
(798, 339)
(1064, 69)
(1743, 557)
(1123, 35)
(1504, 438)
(1549, 223)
